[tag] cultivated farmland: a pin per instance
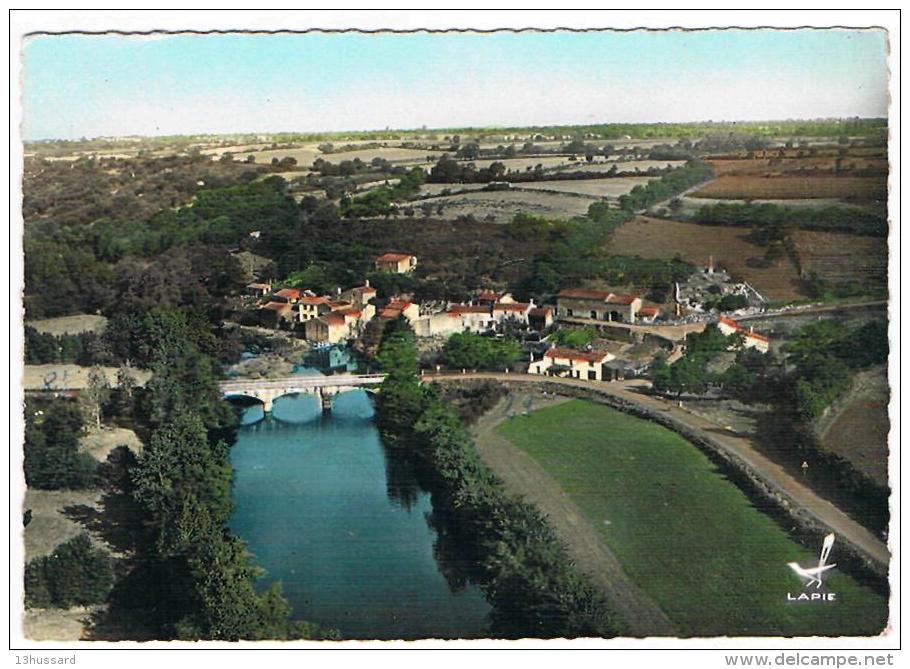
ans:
(838, 257)
(730, 246)
(595, 188)
(787, 187)
(501, 206)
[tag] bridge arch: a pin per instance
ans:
(324, 387)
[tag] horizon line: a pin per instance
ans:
(466, 128)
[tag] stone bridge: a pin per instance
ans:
(324, 387)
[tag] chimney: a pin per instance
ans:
(711, 264)
(366, 283)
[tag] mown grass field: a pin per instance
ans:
(686, 535)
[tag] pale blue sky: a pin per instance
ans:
(80, 85)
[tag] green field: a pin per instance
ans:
(685, 534)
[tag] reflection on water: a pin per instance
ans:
(345, 526)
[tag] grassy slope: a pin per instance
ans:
(688, 537)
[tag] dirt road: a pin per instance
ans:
(740, 448)
(522, 475)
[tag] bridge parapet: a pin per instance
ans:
(324, 387)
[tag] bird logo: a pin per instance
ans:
(814, 574)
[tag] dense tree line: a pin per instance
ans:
(83, 348)
(525, 572)
(380, 201)
(174, 258)
(832, 219)
(670, 184)
(118, 189)
(181, 484)
(825, 355)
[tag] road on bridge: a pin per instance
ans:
(301, 381)
(742, 448)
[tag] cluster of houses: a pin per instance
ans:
(489, 311)
(333, 319)
(336, 318)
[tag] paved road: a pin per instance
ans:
(524, 476)
(742, 448)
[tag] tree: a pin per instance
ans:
(96, 395)
(472, 351)
(52, 457)
(75, 574)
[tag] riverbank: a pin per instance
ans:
(523, 476)
(766, 482)
(684, 534)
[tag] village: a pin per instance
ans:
(616, 335)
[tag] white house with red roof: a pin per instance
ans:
(751, 339)
(399, 263)
(570, 363)
(599, 305)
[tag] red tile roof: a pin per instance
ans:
(745, 332)
(314, 299)
(572, 354)
(349, 312)
(289, 293)
(511, 306)
(393, 257)
(585, 294)
(540, 311)
(621, 299)
(400, 305)
(649, 311)
(390, 313)
(456, 309)
(752, 335)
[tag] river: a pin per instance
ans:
(343, 525)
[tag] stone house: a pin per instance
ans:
(600, 305)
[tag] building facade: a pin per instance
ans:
(569, 363)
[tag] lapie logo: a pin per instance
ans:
(813, 576)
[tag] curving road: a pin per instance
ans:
(741, 448)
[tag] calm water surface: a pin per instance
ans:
(342, 526)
